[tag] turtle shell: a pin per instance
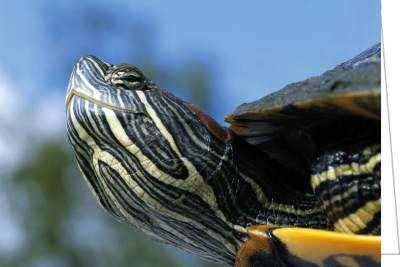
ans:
(352, 89)
(293, 124)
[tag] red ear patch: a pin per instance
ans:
(209, 122)
(165, 92)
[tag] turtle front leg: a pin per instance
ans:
(347, 184)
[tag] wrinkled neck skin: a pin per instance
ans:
(258, 190)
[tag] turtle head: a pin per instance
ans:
(146, 156)
(118, 105)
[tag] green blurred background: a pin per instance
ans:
(215, 55)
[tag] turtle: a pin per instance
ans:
(294, 181)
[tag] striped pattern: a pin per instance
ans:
(348, 184)
(153, 165)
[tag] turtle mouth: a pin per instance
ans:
(73, 93)
(100, 105)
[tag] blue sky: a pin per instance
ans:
(253, 48)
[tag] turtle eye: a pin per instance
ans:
(127, 78)
(132, 80)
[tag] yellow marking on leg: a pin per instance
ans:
(359, 219)
(356, 169)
